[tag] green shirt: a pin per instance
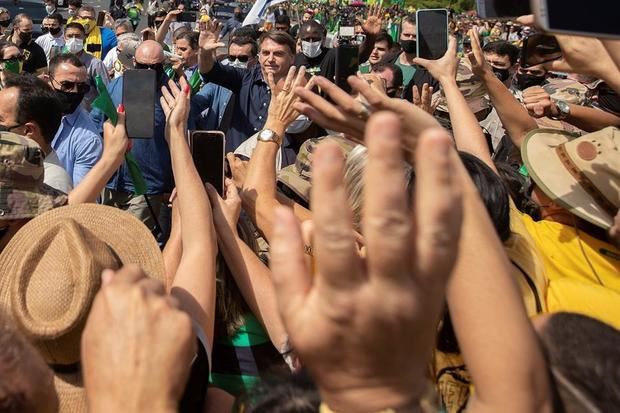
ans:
(408, 71)
(364, 68)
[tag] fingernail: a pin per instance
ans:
(121, 108)
(186, 89)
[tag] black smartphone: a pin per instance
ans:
(432, 33)
(100, 18)
(502, 8)
(539, 48)
(347, 64)
(598, 18)
(207, 147)
(187, 16)
(139, 97)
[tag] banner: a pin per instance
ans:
(259, 10)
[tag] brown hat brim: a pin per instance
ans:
(290, 178)
(552, 177)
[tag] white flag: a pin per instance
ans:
(258, 11)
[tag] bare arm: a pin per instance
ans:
(114, 146)
(173, 251)
(162, 31)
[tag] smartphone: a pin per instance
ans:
(539, 48)
(502, 8)
(100, 18)
(207, 148)
(187, 16)
(598, 18)
(347, 64)
(432, 33)
(139, 97)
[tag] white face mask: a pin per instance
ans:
(299, 125)
(311, 49)
(50, 9)
(74, 45)
(235, 63)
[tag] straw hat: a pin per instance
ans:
(51, 271)
(581, 173)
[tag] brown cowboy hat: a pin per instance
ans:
(581, 173)
(51, 271)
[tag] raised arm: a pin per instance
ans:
(194, 281)
(164, 28)
(372, 27)
(513, 115)
(467, 132)
(114, 146)
(208, 42)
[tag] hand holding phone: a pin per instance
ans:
(539, 48)
(432, 33)
(207, 148)
(139, 95)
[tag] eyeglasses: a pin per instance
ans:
(68, 86)
(241, 58)
(13, 59)
(156, 66)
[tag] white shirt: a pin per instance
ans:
(110, 60)
(247, 149)
(51, 45)
(55, 175)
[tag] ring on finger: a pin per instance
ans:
(364, 114)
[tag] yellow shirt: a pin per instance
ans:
(583, 272)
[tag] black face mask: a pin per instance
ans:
(69, 100)
(501, 74)
(5, 23)
(54, 31)
(238, 16)
(25, 37)
(157, 67)
(523, 80)
(409, 46)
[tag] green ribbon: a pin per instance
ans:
(195, 82)
(104, 103)
(523, 171)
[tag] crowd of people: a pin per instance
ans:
(443, 236)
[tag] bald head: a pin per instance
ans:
(149, 53)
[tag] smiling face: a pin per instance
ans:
(378, 51)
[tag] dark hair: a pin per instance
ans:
(242, 41)
(283, 19)
(311, 25)
(492, 191)
(410, 19)
(5, 44)
(519, 189)
(503, 48)
(397, 72)
(36, 103)
(76, 3)
(74, 25)
(160, 13)
(189, 35)
(295, 393)
(384, 37)
(19, 17)
(57, 60)
(246, 31)
(583, 352)
(279, 37)
(56, 16)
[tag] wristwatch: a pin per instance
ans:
(267, 135)
(563, 110)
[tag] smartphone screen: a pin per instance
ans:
(100, 18)
(502, 8)
(574, 16)
(187, 16)
(347, 64)
(207, 149)
(139, 94)
(432, 33)
(538, 49)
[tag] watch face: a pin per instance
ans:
(266, 135)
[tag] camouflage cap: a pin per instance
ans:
(567, 90)
(298, 176)
(22, 191)
(470, 86)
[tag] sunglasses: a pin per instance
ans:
(156, 66)
(68, 86)
(241, 58)
(13, 59)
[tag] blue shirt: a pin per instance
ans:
(208, 107)
(252, 97)
(108, 41)
(230, 26)
(77, 144)
(152, 155)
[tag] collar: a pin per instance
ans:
(257, 75)
(72, 118)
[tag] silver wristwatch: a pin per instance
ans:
(267, 135)
(563, 110)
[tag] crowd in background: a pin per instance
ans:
(429, 236)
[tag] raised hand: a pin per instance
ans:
(209, 36)
(225, 210)
(372, 24)
(442, 69)
(175, 103)
(539, 103)
(115, 140)
(366, 352)
(424, 100)
(281, 108)
(479, 65)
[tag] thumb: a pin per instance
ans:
(422, 62)
(120, 112)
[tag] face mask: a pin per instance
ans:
(238, 15)
(501, 74)
(299, 125)
(523, 81)
(311, 49)
(238, 64)
(70, 101)
(74, 45)
(409, 46)
(54, 31)
(71, 12)
(5, 23)
(25, 37)
(13, 66)
(50, 9)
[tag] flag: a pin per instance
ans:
(104, 103)
(195, 81)
(259, 10)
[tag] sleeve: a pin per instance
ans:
(229, 77)
(101, 70)
(328, 65)
(108, 40)
(88, 152)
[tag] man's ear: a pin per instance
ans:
(45, 77)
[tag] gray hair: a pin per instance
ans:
(4, 10)
(128, 40)
(123, 23)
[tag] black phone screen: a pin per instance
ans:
(575, 16)
(502, 8)
(139, 94)
(207, 149)
(100, 18)
(187, 16)
(432, 33)
(347, 64)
